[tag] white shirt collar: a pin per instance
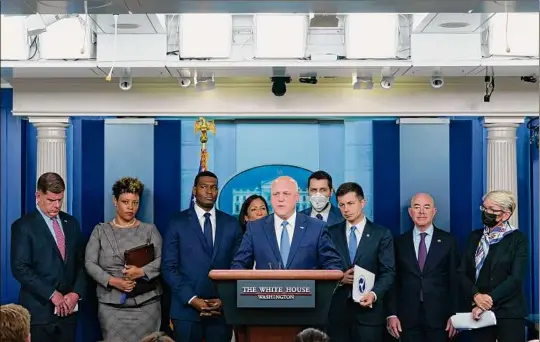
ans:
(359, 227)
(429, 231)
(291, 220)
(200, 211)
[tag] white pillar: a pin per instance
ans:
(51, 147)
(501, 156)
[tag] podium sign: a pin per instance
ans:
(275, 294)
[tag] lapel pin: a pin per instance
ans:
(438, 240)
(367, 235)
(301, 227)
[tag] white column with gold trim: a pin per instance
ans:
(501, 156)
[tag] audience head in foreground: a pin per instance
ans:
(311, 335)
(14, 323)
(157, 337)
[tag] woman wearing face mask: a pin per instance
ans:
(253, 208)
(493, 270)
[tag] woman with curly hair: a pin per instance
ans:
(129, 297)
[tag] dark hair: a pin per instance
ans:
(320, 175)
(127, 185)
(244, 209)
(204, 174)
(345, 188)
(311, 335)
(50, 181)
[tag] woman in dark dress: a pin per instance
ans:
(493, 270)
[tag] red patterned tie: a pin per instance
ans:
(60, 238)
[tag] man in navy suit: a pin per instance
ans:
(425, 293)
(47, 258)
(320, 191)
(286, 239)
(370, 246)
(198, 240)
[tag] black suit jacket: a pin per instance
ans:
(508, 267)
(375, 253)
(37, 264)
(438, 281)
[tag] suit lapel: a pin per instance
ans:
(219, 234)
(109, 234)
(332, 217)
(499, 251)
(270, 232)
(365, 241)
(410, 252)
(195, 226)
(435, 251)
(42, 225)
(300, 228)
(340, 242)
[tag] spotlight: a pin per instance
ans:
(437, 82)
(185, 78)
(279, 87)
(358, 81)
(490, 87)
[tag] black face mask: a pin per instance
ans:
(489, 220)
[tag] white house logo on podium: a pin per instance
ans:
(258, 181)
(362, 285)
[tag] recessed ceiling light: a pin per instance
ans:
(453, 25)
(127, 26)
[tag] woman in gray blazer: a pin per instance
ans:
(129, 297)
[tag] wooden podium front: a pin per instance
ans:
(275, 305)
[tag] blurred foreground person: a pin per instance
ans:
(14, 323)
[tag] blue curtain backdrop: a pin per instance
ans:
(11, 202)
(534, 237)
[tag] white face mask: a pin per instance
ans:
(318, 201)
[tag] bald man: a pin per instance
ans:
(286, 239)
(425, 291)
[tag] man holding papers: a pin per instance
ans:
(357, 313)
(425, 293)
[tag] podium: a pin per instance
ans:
(275, 305)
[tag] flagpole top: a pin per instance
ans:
(204, 126)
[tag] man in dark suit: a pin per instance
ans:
(425, 293)
(47, 258)
(370, 246)
(198, 240)
(320, 191)
(286, 239)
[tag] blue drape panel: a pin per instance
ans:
(524, 200)
(466, 176)
(167, 156)
(87, 184)
(331, 160)
(386, 182)
(535, 236)
(29, 164)
(11, 183)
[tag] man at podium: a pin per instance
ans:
(286, 239)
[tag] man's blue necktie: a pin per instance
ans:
(353, 244)
(208, 232)
(285, 244)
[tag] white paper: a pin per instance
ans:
(465, 321)
(363, 282)
(74, 309)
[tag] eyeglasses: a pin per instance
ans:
(491, 211)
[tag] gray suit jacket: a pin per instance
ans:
(105, 259)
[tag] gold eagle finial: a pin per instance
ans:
(204, 126)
